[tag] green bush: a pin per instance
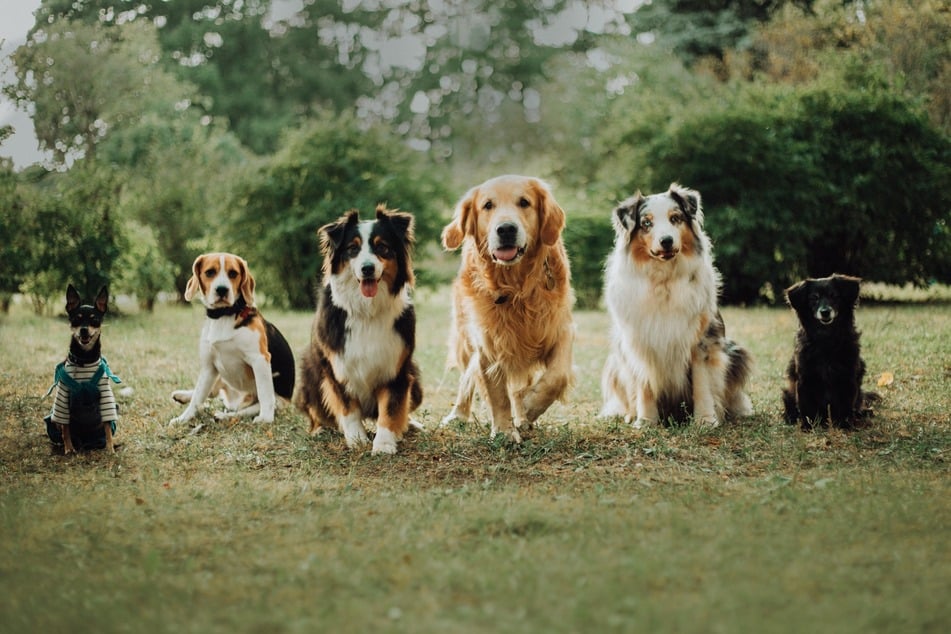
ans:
(324, 169)
(814, 181)
(588, 240)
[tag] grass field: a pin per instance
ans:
(588, 526)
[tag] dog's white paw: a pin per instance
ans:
(353, 431)
(261, 418)
(453, 417)
(224, 415)
(187, 416)
(641, 422)
(385, 441)
(707, 422)
(511, 435)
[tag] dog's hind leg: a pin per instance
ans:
(462, 406)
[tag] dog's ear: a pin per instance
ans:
(688, 200)
(403, 223)
(102, 299)
(626, 216)
(463, 221)
(331, 235)
(246, 288)
(848, 288)
(73, 300)
(797, 296)
(194, 282)
(551, 216)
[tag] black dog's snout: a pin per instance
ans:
(667, 243)
(368, 270)
(507, 232)
(825, 312)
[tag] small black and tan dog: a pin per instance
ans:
(84, 408)
(826, 370)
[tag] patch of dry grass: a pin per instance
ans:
(589, 525)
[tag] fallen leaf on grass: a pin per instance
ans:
(885, 379)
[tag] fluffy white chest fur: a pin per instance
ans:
(656, 310)
(373, 347)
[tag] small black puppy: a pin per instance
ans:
(826, 370)
(84, 407)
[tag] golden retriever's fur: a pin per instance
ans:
(512, 330)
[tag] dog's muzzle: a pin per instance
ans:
(507, 250)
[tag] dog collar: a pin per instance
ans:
(235, 309)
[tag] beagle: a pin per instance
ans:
(242, 357)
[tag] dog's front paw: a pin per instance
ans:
(354, 432)
(385, 441)
(453, 417)
(640, 422)
(707, 422)
(262, 418)
(181, 419)
(511, 435)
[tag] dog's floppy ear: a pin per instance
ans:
(463, 220)
(102, 299)
(246, 288)
(551, 216)
(331, 234)
(194, 283)
(797, 295)
(688, 200)
(847, 287)
(402, 222)
(73, 300)
(626, 216)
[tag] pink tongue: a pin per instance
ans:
(368, 288)
(506, 253)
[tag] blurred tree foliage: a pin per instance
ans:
(241, 125)
(322, 170)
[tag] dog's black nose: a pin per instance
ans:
(507, 231)
(222, 291)
(825, 312)
(667, 243)
(368, 271)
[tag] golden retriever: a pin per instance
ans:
(511, 331)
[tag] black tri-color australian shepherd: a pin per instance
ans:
(670, 357)
(360, 362)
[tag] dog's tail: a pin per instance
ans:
(739, 368)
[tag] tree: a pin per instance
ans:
(76, 236)
(14, 223)
(81, 81)
(325, 168)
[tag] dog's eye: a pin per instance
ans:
(676, 218)
(524, 203)
(232, 275)
(383, 251)
(353, 250)
(210, 273)
(488, 206)
(647, 223)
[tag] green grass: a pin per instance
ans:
(588, 526)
